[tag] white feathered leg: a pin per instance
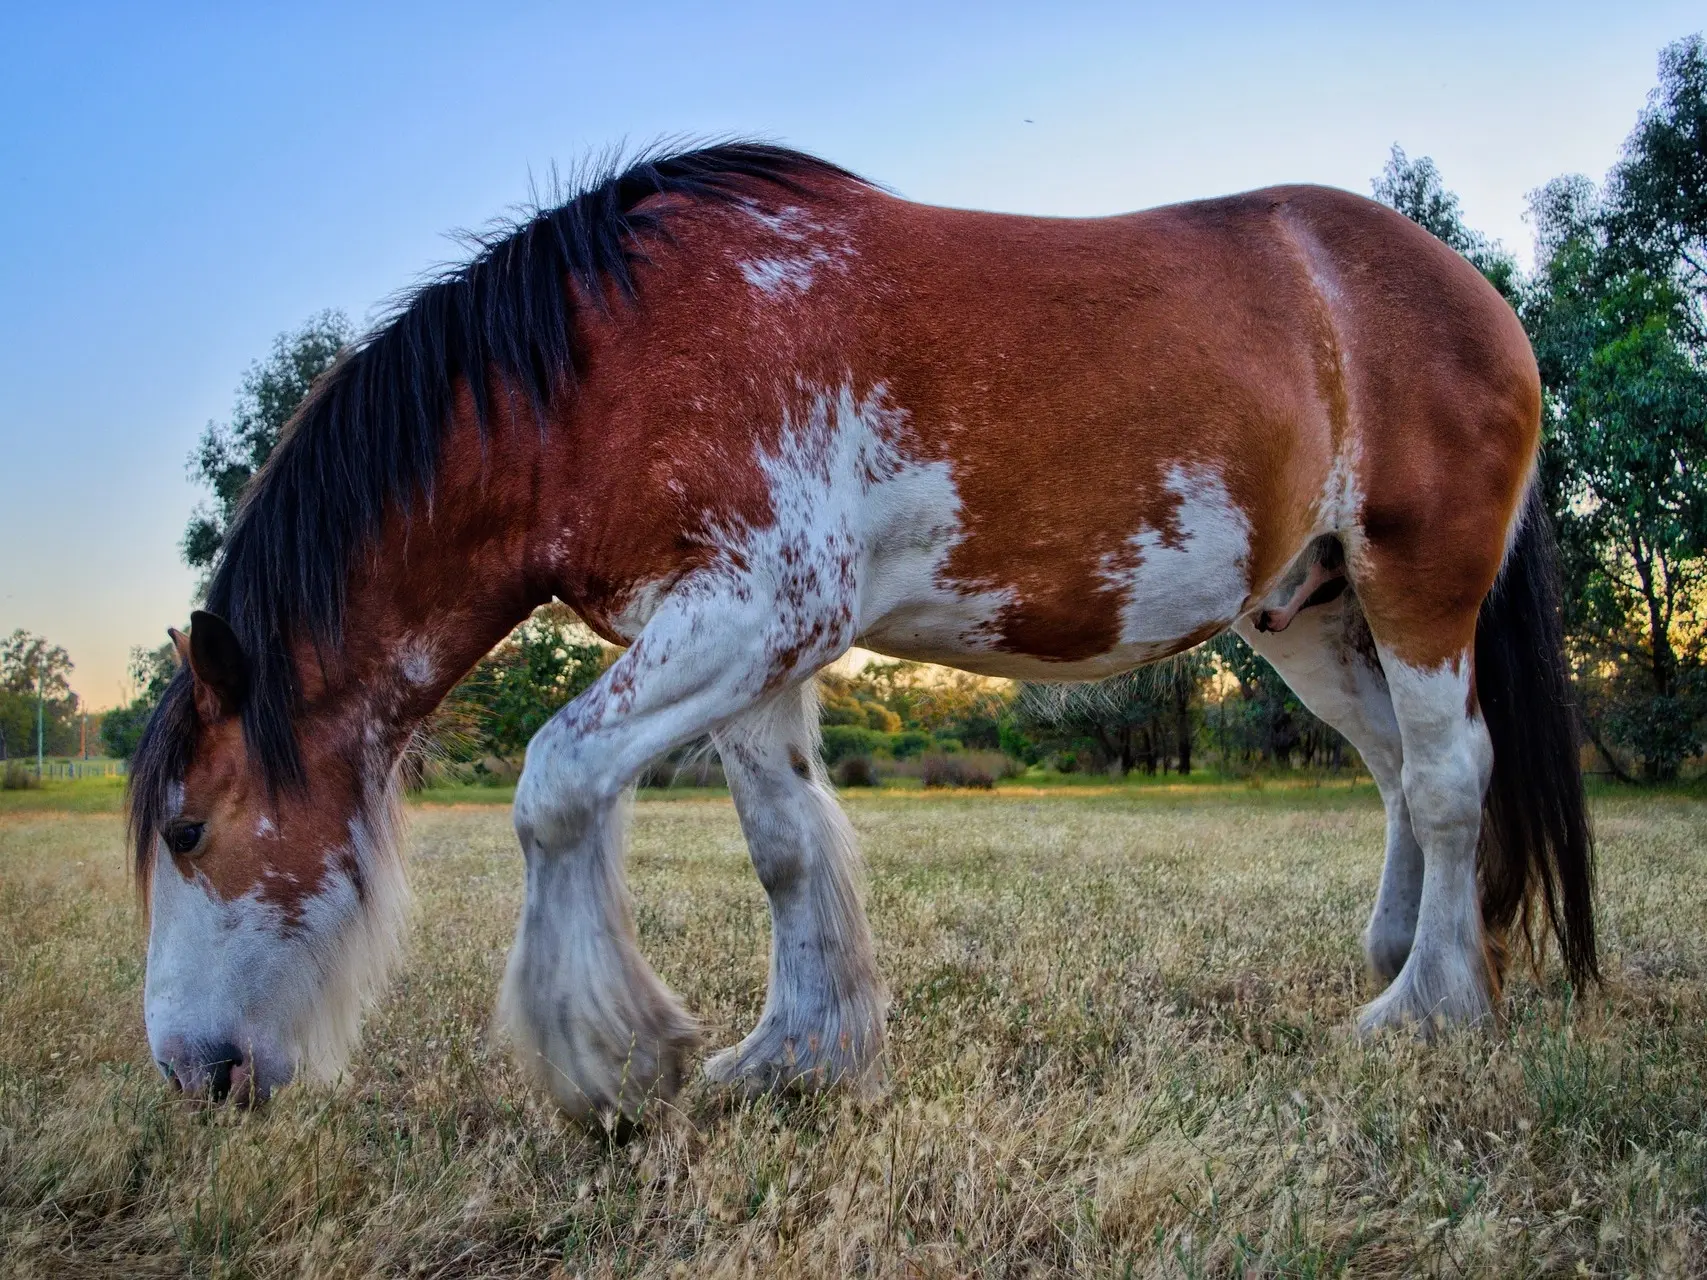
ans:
(589, 1019)
(823, 1015)
(1448, 761)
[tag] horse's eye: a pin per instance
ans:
(183, 837)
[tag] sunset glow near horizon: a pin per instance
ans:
(182, 189)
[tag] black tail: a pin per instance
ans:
(1535, 830)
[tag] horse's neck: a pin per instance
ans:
(439, 590)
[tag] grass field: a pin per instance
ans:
(1117, 1046)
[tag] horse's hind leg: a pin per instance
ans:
(1448, 760)
(1328, 658)
(589, 1019)
(823, 1015)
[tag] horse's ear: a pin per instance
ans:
(218, 665)
(181, 643)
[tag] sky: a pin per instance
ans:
(176, 188)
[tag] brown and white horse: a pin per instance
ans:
(742, 410)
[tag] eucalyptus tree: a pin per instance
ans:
(1617, 312)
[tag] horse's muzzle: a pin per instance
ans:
(211, 1071)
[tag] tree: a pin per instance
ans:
(1656, 200)
(1416, 189)
(17, 724)
(844, 701)
(1615, 314)
(25, 659)
(919, 702)
(1142, 718)
(230, 453)
(151, 670)
(1264, 722)
(517, 687)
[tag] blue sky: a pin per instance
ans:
(178, 188)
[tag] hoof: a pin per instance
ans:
(594, 1082)
(614, 1051)
(773, 1060)
(1427, 1000)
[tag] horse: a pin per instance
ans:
(741, 410)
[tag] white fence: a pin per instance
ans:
(68, 769)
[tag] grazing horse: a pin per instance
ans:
(742, 410)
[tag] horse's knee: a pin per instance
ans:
(561, 792)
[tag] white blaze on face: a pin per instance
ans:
(1196, 578)
(212, 971)
(288, 990)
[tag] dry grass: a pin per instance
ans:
(1117, 1047)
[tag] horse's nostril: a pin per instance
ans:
(219, 1063)
(208, 1071)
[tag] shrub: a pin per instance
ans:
(913, 742)
(495, 771)
(692, 765)
(843, 740)
(941, 771)
(837, 707)
(957, 771)
(856, 771)
(18, 778)
(880, 717)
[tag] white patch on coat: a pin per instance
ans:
(415, 662)
(812, 247)
(1340, 506)
(910, 606)
(264, 828)
(790, 222)
(773, 275)
(1197, 578)
(876, 529)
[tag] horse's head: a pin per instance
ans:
(273, 904)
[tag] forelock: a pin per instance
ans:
(157, 767)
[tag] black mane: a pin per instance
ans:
(368, 435)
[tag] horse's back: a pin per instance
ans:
(1077, 443)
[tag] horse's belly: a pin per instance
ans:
(1159, 596)
(952, 637)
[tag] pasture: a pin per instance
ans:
(1118, 1045)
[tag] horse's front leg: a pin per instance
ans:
(823, 1015)
(589, 1019)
